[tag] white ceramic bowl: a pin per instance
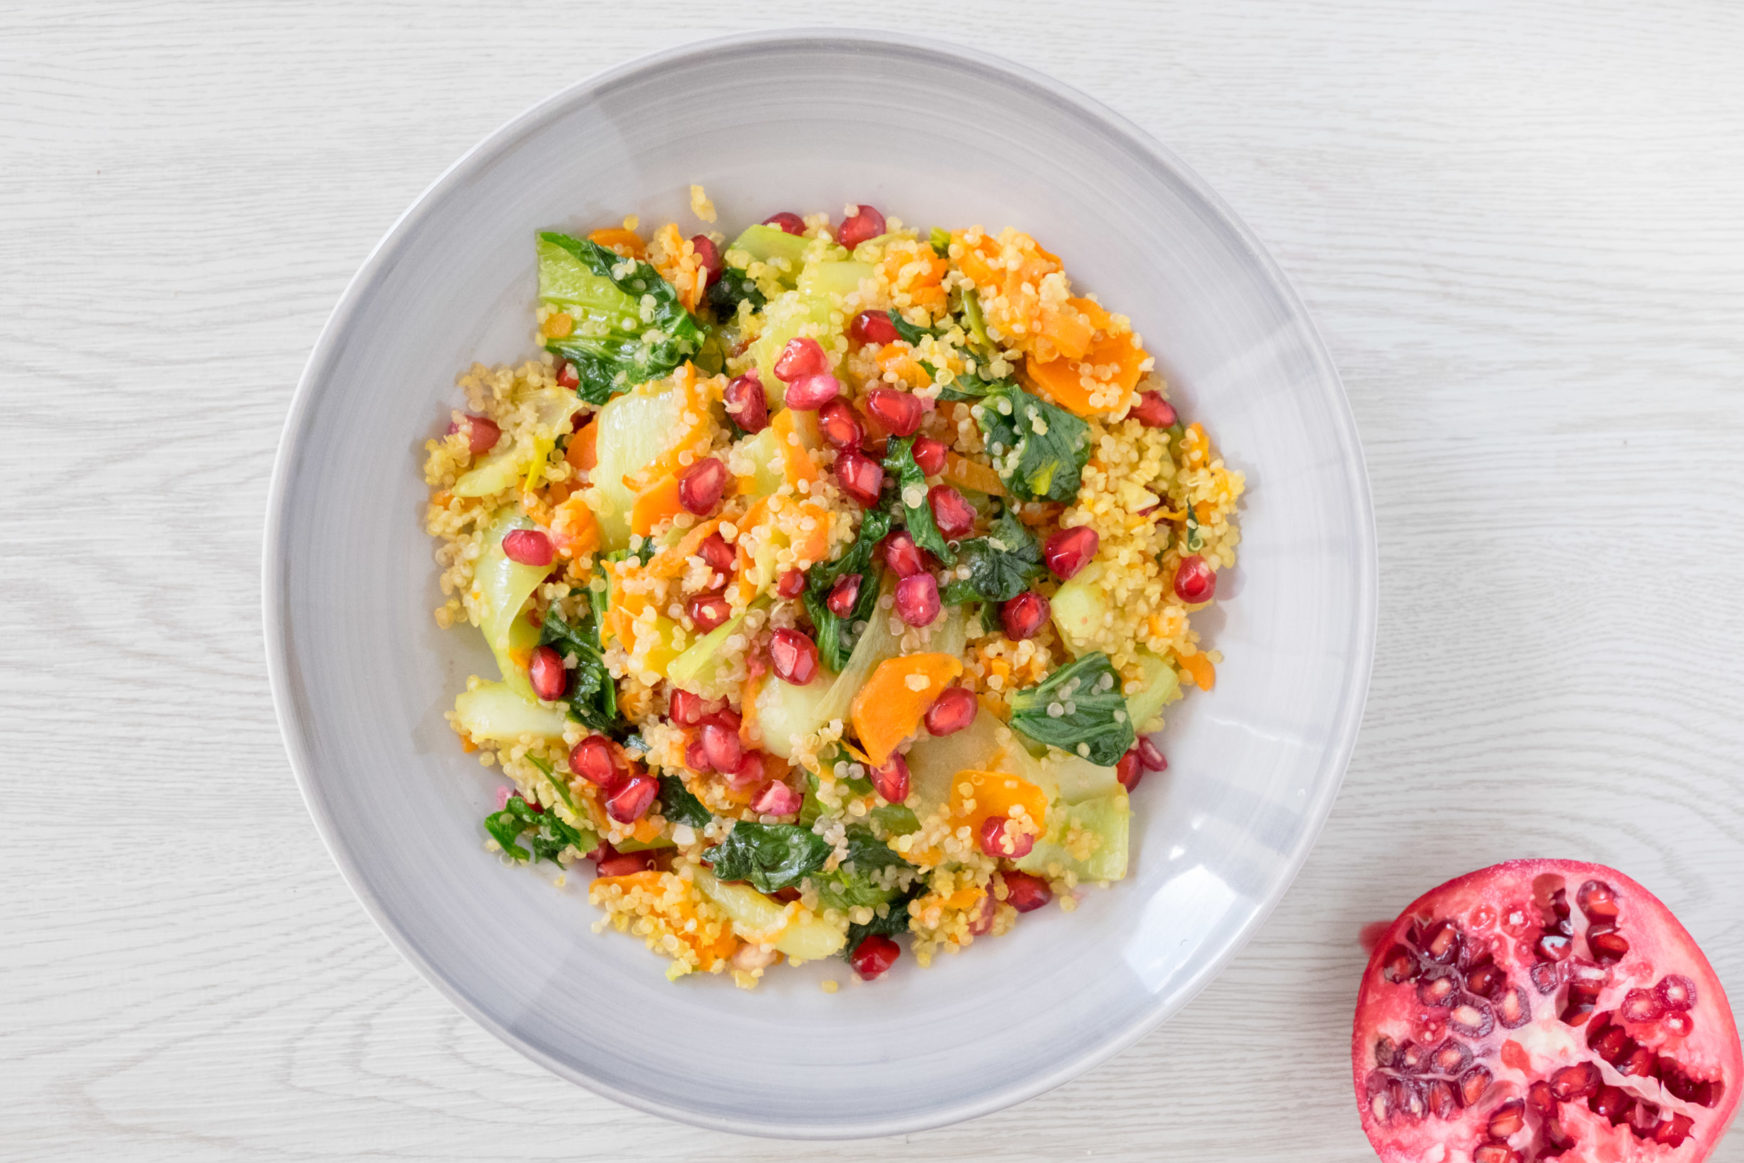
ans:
(807, 121)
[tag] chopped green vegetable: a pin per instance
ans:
(593, 696)
(503, 587)
(612, 345)
(861, 880)
(1038, 450)
(894, 921)
(770, 856)
(911, 493)
(1080, 609)
(1078, 708)
(1161, 686)
(1001, 564)
(906, 331)
(679, 806)
(836, 635)
(557, 785)
(1106, 818)
(1192, 537)
(895, 819)
(495, 712)
(732, 288)
(974, 322)
(940, 239)
(547, 836)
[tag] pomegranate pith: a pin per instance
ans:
(1517, 1013)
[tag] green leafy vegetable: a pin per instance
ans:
(593, 696)
(1092, 719)
(835, 635)
(895, 819)
(1001, 564)
(862, 879)
(911, 486)
(1194, 539)
(894, 921)
(940, 238)
(906, 331)
(679, 806)
(1039, 450)
(612, 346)
(732, 288)
(770, 856)
(546, 835)
(561, 787)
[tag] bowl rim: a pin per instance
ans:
(1365, 626)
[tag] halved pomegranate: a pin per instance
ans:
(1543, 1009)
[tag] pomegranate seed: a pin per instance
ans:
(860, 476)
(593, 760)
(902, 555)
(794, 656)
(803, 356)
(696, 758)
(787, 221)
(792, 584)
(1151, 757)
(929, 454)
(624, 864)
(843, 595)
(715, 550)
(1598, 901)
(703, 484)
(953, 710)
(632, 801)
(686, 708)
(725, 717)
(1678, 1024)
(1676, 992)
(917, 599)
(708, 611)
(567, 376)
(1024, 616)
(1153, 411)
(864, 224)
(1070, 550)
(872, 327)
(750, 770)
(710, 256)
(545, 671)
(1129, 770)
(891, 780)
(482, 434)
(722, 747)
(1026, 893)
(839, 425)
(528, 547)
(1572, 1082)
(899, 412)
(954, 516)
(1195, 581)
(776, 799)
(809, 393)
(875, 954)
(747, 406)
(1002, 838)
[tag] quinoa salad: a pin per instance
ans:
(835, 572)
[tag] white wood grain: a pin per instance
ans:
(1518, 226)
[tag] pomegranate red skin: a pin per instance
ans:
(1546, 1047)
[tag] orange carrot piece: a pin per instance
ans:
(574, 528)
(670, 562)
(797, 462)
(1200, 667)
(972, 475)
(625, 243)
(655, 505)
(583, 449)
(888, 709)
(995, 793)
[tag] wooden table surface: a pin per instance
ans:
(1518, 226)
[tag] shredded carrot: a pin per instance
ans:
(574, 528)
(678, 263)
(1200, 667)
(888, 709)
(624, 243)
(797, 462)
(655, 505)
(972, 475)
(671, 562)
(898, 358)
(750, 730)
